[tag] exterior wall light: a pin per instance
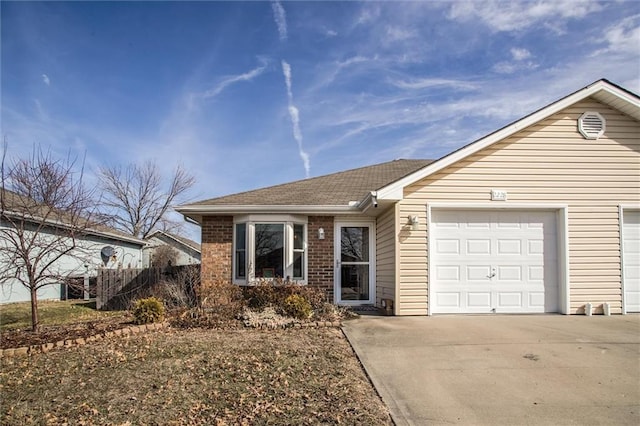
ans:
(321, 233)
(413, 221)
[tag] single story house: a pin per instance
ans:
(542, 215)
(187, 251)
(96, 248)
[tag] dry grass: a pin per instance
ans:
(18, 315)
(294, 376)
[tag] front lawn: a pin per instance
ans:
(18, 315)
(176, 377)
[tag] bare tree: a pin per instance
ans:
(135, 199)
(45, 212)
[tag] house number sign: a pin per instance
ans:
(498, 195)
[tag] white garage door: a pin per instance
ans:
(631, 261)
(494, 261)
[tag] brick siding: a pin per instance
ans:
(217, 252)
(217, 247)
(321, 254)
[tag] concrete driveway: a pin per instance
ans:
(509, 369)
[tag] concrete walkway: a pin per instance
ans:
(508, 369)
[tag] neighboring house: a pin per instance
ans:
(99, 247)
(188, 251)
(542, 215)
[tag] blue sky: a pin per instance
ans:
(251, 94)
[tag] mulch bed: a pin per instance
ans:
(48, 334)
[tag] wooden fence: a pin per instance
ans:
(116, 288)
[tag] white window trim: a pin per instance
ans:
(288, 221)
(341, 222)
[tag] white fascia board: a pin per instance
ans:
(395, 190)
(293, 209)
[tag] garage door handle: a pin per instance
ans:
(493, 274)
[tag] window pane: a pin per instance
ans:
(240, 254)
(354, 284)
(241, 232)
(269, 250)
(298, 237)
(241, 263)
(354, 242)
(298, 265)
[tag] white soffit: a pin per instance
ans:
(602, 90)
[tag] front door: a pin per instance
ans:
(355, 273)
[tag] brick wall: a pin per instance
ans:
(217, 252)
(217, 247)
(321, 254)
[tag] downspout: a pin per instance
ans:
(371, 200)
(191, 221)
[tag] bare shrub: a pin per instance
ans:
(219, 305)
(164, 255)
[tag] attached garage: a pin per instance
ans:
(631, 259)
(494, 261)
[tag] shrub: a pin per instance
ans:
(148, 310)
(297, 306)
(262, 295)
(219, 306)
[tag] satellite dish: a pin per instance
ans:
(107, 251)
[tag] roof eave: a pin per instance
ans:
(168, 235)
(88, 231)
(196, 212)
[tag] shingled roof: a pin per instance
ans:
(335, 189)
(182, 240)
(21, 208)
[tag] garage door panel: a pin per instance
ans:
(509, 300)
(536, 273)
(449, 300)
(447, 246)
(509, 273)
(479, 300)
(631, 259)
(478, 272)
(509, 246)
(535, 247)
(448, 273)
(477, 246)
(506, 261)
(537, 299)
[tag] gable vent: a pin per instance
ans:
(591, 125)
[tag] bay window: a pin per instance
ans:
(266, 249)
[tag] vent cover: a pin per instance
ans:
(591, 125)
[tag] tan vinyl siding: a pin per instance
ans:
(385, 256)
(549, 162)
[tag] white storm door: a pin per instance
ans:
(494, 261)
(354, 264)
(631, 259)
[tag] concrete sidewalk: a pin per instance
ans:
(503, 369)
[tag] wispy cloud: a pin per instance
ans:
(426, 83)
(295, 118)
(519, 54)
(623, 36)
(519, 62)
(45, 80)
(280, 17)
(229, 80)
(518, 16)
